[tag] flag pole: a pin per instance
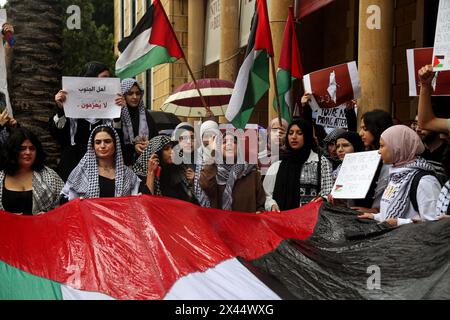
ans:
(208, 109)
(274, 75)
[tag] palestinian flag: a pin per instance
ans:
(152, 42)
(438, 61)
(140, 248)
(253, 78)
(289, 69)
(150, 247)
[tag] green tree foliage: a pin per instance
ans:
(93, 41)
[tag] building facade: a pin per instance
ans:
(375, 33)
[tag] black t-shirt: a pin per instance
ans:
(107, 187)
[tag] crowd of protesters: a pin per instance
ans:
(127, 156)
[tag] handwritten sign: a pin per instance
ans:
(332, 87)
(91, 97)
(355, 177)
(333, 118)
(441, 54)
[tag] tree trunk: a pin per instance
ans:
(36, 66)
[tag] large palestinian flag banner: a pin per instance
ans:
(149, 247)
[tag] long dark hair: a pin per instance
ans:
(11, 151)
(376, 121)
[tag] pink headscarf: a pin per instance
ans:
(404, 143)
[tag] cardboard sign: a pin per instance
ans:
(332, 117)
(418, 58)
(333, 86)
(441, 54)
(91, 97)
(356, 174)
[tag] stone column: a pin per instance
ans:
(196, 36)
(376, 31)
(229, 42)
(278, 12)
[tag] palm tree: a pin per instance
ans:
(36, 65)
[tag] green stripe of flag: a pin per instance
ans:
(258, 84)
(20, 285)
(284, 84)
(154, 57)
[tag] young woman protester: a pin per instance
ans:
(138, 126)
(162, 176)
(27, 186)
(73, 134)
(301, 176)
(102, 172)
(347, 142)
(208, 131)
(401, 147)
(373, 123)
(234, 184)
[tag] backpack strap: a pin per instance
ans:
(415, 185)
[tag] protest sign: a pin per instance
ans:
(356, 174)
(417, 58)
(441, 54)
(91, 97)
(333, 86)
(332, 117)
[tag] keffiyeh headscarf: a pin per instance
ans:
(127, 126)
(83, 180)
(203, 153)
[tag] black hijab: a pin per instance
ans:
(93, 69)
(287, 185)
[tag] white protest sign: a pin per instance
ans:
(356, 174)
(4, 95)
(441, 54)
(332, 117)
(91, 97)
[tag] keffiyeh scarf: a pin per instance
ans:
(127, 126)
(227, 175)
(400, 199)
(443, 202)
(47, 187)
(83, 180)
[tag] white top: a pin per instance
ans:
(428, 191)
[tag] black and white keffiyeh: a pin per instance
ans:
(127, 126)
(141, 166)
(443, 202)
(83, 180)
(400, 199)
(47, 186)
(227, 175)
